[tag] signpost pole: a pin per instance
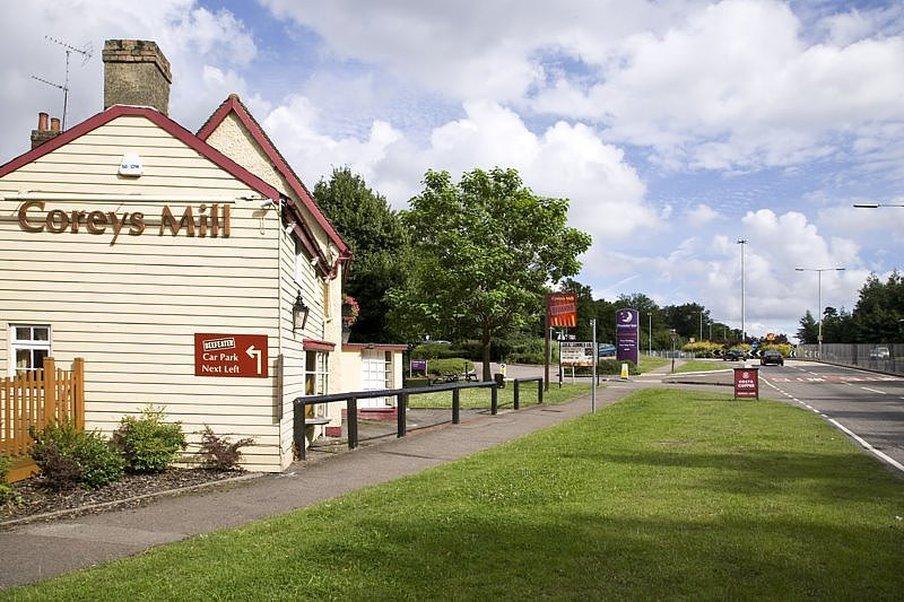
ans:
(593, 374)
(560, 338)
(547, 350)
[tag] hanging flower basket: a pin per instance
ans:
(350, 312)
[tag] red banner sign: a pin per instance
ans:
(746, 383)
(562, 310)
(236, 355)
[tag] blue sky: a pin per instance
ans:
(674, 126)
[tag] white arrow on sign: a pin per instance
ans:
(253, 351)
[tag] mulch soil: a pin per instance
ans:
(34, 497)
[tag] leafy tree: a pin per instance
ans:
(378, 240)
(486, 247)
(585, 306)
(879, 309)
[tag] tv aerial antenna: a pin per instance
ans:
(85, 52)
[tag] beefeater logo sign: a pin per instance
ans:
(562, 310)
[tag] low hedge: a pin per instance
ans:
(68, 456)
(447, 365)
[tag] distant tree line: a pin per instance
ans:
(878, 316)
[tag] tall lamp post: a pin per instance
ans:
(819, 272)
(877, 205)
(650, 332)
(743, 243)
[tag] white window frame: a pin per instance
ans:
(32, 345)
(321, 372)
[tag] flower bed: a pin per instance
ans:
(34, 498)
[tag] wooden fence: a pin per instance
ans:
(35, 398)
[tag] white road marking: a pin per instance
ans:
(865, 444)
(874, 390)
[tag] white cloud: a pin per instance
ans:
(206, 49)
(564, 160)
(705, 85)
(701, 215)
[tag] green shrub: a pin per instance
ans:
(529, 350)
(702, 348)
(432, 351)
(68, 456)
(7, 493)
(447, 365)
(611, 366)
(218, 453)
(783, 348)
(148, 444)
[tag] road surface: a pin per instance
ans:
(868, 405)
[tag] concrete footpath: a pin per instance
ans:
(34, 552)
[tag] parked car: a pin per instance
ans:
(606, 350)
(772, 356)
(879, 353)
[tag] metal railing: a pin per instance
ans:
(300, 421)
(881, 357)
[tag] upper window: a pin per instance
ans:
(30, 344)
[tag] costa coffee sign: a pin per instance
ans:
(746, 383)
(203, 221)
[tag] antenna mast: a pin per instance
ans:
(85, 52)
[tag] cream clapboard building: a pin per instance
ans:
(127, 237)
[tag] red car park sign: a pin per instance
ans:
(231, 355)
(746, 383)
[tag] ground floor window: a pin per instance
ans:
(30, 344)
(316, 373)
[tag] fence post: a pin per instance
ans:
(352, 416)
(50, 390)
(78, 401)
(456, 407)
(540, 391)
(401, 407)
(517, 393)
(299, 427)
(494, 398)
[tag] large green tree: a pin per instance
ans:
(485, 250)
(379, 242)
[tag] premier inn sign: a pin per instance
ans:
(207, 221)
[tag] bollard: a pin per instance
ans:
(516, 392)
(456, 407)
(540, 392)
(401, 418)
(624, 370)
(352, 417)
(494, 399)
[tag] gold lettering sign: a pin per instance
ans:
(210, 221)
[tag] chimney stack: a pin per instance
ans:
(45, 133)
(136, 73)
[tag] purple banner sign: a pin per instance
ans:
(627, 335)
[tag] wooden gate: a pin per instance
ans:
(35, 398)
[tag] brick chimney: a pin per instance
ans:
(136, 73)
(45, 132)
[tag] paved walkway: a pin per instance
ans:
(34, 552)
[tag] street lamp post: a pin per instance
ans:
(877, 205)
(650, 330)
(743, 243)
(819, 272)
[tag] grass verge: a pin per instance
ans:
(648, 362)
(703, 366)
(480, 398)
(666, 494)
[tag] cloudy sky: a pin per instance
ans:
(674, 126)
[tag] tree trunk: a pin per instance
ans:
(485, 342)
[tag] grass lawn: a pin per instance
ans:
(480, 398)
(666, 494)
(649, 362)
(703, 365)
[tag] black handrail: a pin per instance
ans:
(351, 400)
